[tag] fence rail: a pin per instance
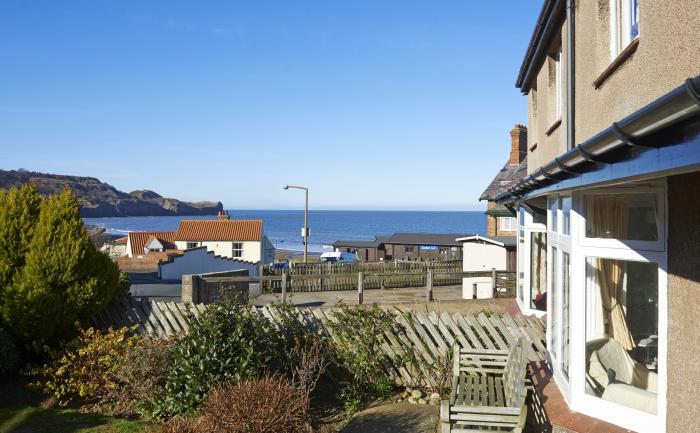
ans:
(504, 281)
(428, 335)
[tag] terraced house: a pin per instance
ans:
(609, 211)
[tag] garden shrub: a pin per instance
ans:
(358, 352)
(9, 355)
(228, 342)
(19, 211)
(61, 278)
(142, 374)
(85, 369)
(260, 405)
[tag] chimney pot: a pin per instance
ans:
(222, 215)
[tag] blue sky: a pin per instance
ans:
(372, 104)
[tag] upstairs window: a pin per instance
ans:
(237, 249)
(624, 24)
(507, 224)
(191, 245)
(558, 85)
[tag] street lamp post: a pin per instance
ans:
(305, 230)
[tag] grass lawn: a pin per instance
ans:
(26, 419)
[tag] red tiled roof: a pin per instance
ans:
(120, 240)
(139, 239)
(219, 230)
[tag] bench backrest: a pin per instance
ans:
(514, 375)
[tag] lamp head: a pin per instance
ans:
(286, 187)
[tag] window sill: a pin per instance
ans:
(616, 63)
(553, 128)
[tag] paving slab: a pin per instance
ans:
(395, 417)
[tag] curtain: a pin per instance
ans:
(609, 217)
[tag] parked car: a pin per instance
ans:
(339, 257)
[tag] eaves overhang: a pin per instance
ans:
(648, 129)
(547, 27)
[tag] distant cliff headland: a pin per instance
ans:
(100, 199)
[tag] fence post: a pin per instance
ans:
(360, 286)
(429, 286)
(493, 281)
(284, 287)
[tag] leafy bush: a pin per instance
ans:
(268, 404)
(228, 342)
(123, 286)
(142, 374)
(9, 356)
(357, 350)
(85, 369)
(61, 276)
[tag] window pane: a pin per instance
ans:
(565, 283)
(555, 308)
(538, 271)
(553, 214)
(634, 18)
(566, 215)
(622, 216)
(622, 332)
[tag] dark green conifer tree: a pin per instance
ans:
(19, 213)
(64, 278)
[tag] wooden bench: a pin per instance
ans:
(488, 391)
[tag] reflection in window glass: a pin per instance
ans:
(553, 216)
(555, 308)
(538, 271)
(622, 332)
(565, 283)
(622, 216)
(566, 215)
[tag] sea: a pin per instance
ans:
(283, 227)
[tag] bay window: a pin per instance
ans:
(622, 331)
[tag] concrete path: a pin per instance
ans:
(395, 417)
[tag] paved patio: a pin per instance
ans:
(395, 417)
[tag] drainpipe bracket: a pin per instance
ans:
(626, 139)
(692, 91)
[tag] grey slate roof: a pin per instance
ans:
(442, 239)
(508, 175)
(356, 244)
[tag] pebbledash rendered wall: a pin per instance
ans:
(683, 303)
(668, 52)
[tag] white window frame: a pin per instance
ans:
(574, 391)
(563, 244)
(527, 226)
(658, 245)
(623, 14)
(189, 245)
(236, 252)
(559, 85)
(509, 224)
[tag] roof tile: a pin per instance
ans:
(219, 230)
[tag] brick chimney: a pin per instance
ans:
(222, 215)
(518, 144)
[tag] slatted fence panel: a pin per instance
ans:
(429, 336)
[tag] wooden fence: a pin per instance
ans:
(317, 277)
(429, 336)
